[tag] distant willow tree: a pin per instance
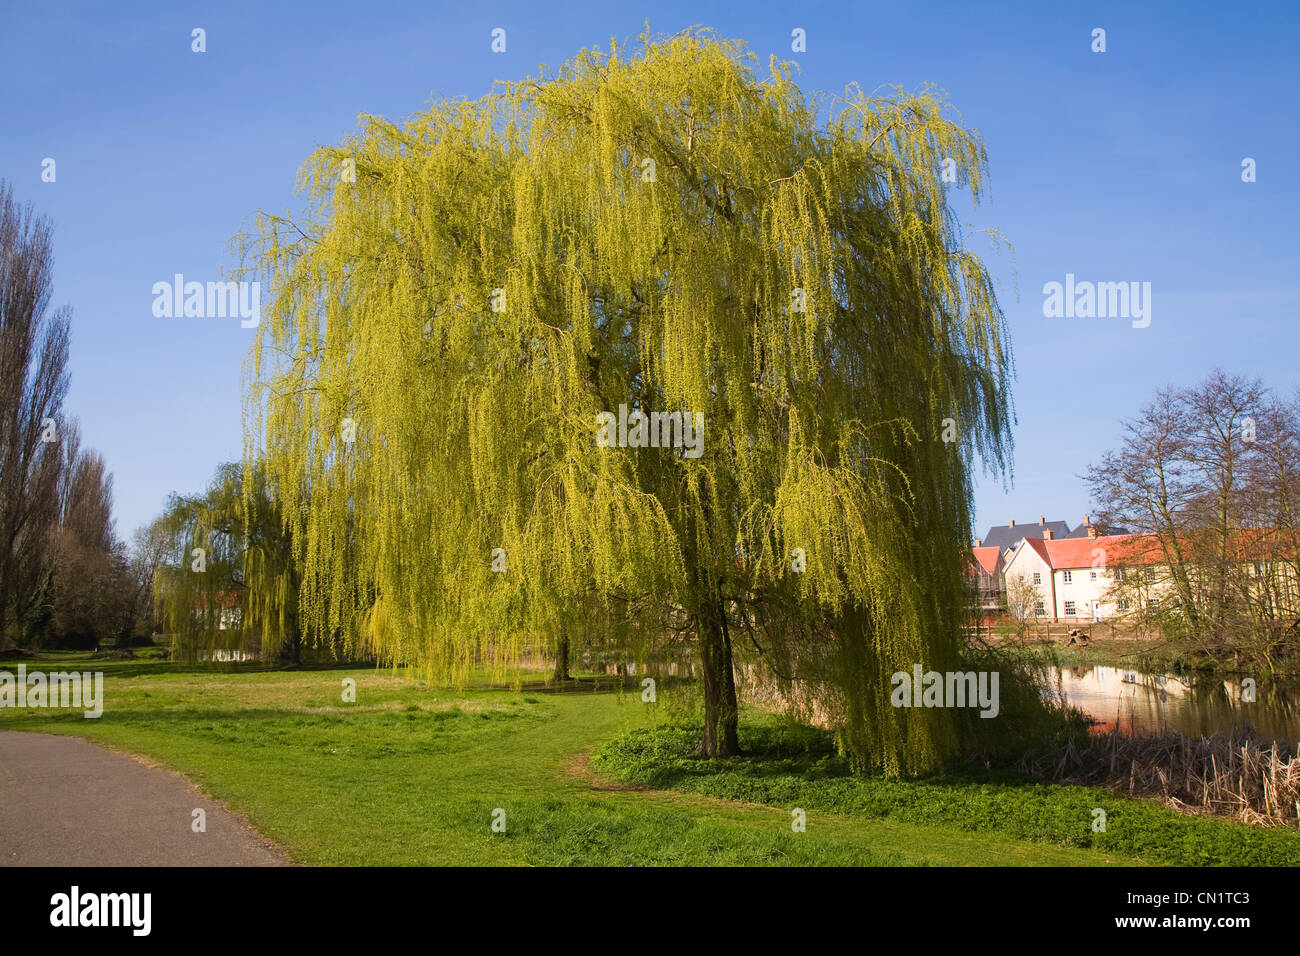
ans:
(658, 228)
(228, 569)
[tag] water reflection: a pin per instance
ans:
(1137, 702)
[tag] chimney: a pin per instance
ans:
(1086, 521)
(1011, 523)
(1047, 534)
(979, 543)
(1092, 532)
(1042, 520)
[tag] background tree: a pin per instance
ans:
(148, 549)
(223, 552)
(1272, 506)
(1022, 600)
(90, 585)
(665, 230)
(1219, 449)
(1147, 485)
(1210, 472)
(33, 383)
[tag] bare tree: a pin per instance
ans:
(1147, 484)
(149, 546)
(91, 587)
(33, 383)
(1022, 600)
(1212, 472)
(1273, 508)
(1218, 451)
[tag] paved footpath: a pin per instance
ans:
(66, 802)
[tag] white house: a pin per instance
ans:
(1028, 560)
(1075, 576)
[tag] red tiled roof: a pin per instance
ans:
(1039, 545)
(1263, 544)
(1118, 549)
(221, 599)
(987, 558)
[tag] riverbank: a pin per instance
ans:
(1101, 645)
(798, 769)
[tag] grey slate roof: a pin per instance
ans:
(1082, 532)
(1004, 536)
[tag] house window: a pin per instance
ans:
(1122, 604)
(1069, 608)
(1153, 604)
(1065, 576)
(1092, 575)
(1119, 574)
(1038, 577)
(1040, 608)
(1151, 574)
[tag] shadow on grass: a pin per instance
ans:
(152, 667)
(538, 683)
(591, 684)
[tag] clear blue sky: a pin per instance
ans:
(1115, 167)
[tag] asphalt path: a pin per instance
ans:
(67, 802)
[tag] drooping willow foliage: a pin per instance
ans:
(658, 227)
(229, 571)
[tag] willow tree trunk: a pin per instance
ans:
(720, 710)
(293, 645)
(562, 660)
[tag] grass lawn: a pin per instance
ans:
(411, 775)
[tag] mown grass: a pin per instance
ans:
(411, 774)
(793, 766)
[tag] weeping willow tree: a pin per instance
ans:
(650, 230)
(230, 572)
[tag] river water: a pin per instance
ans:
(1138, 702)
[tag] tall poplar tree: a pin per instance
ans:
(34, 349)
(664, 229)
